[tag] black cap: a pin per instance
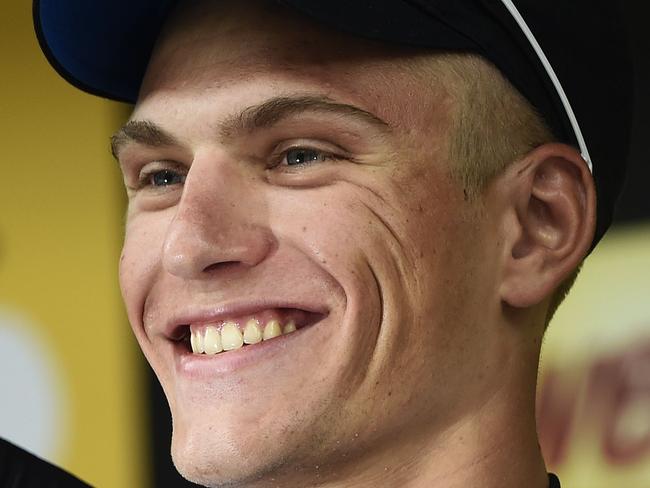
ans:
(569, 58)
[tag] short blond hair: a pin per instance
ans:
(493, 126)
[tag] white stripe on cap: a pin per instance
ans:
(556, 82)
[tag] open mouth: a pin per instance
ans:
(233, 333)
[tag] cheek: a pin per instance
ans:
(140, 261)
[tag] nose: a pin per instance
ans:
(217, 223)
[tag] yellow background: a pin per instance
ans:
(605, 322)
(61, 208)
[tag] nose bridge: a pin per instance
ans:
(217, 220)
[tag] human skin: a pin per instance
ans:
(421, 370)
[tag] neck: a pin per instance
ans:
(493, 445)
(489, 450)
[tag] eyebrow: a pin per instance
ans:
(143, 132)
(263, 115)
(277, 109)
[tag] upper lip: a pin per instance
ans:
(205, 314)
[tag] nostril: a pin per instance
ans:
(221, 266)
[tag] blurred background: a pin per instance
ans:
(74, 387)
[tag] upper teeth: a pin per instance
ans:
(211, 340)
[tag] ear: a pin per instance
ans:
(549, 222)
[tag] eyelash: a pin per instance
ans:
(323, 156)
(145, 179)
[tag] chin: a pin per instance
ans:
(204, 463)
(208, 456)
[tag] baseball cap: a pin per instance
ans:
(570, 59)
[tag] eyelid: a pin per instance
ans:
(330, 149)
(317, 145)
(152, 167)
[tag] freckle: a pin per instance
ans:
(421, 254)
(420, 208)
(304, 229)
(390, 393)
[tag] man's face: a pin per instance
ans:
(301, 175)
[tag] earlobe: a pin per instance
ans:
(552, 206)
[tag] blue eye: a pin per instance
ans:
(300, 156)
(164, 178)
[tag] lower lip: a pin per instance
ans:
(210, 365)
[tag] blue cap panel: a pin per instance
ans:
(100, 47)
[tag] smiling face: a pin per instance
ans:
(277, 171)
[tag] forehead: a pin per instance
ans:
(215, 47)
